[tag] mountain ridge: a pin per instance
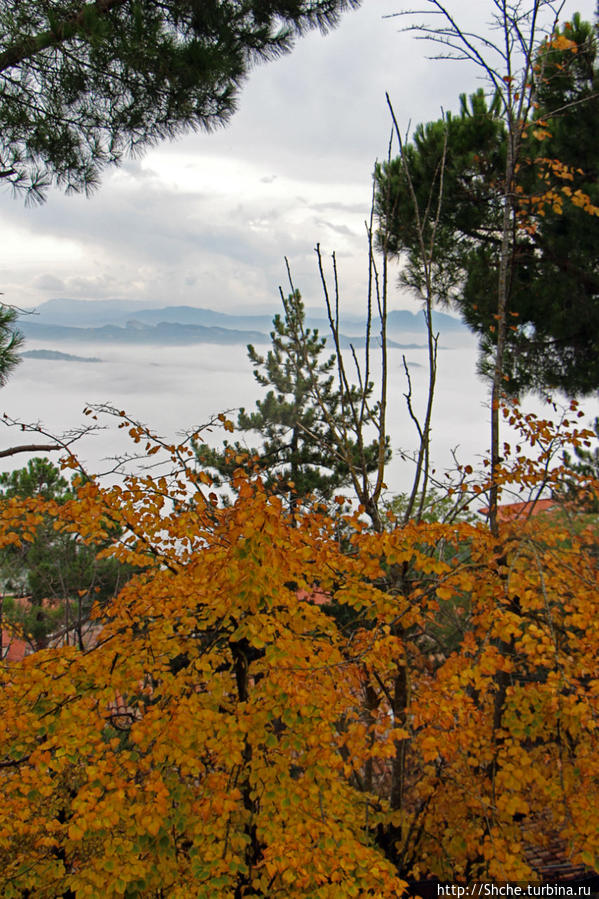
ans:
(169, 334)
(85, 313)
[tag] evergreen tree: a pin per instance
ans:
(553, 303)
(10, 341)
(40, 478)
(59, 572)
(83, 83)
(300, 453)
(585, 468)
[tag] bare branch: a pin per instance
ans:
(61, 442)
(31, 448)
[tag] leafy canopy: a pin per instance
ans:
(225, 738)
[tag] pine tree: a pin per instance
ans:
(300, 452)
(59, 571)
(10, 341)
(580, 487)
(553, 284)
(84, 83)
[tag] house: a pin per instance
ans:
(522, 510)
(13, 649)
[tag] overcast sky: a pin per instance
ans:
(207, 219)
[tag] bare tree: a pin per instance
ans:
(359, 411)
(427, 223)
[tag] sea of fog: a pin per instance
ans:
(175, 389)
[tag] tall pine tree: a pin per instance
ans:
(301, 453)
(553, 290)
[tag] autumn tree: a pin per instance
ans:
(228, 702)
(214, 742)
(553, 274)
(508, 65)
(226, 738)
(83, 84)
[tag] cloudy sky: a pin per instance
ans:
(208, 219)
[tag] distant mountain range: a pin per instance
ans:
(125, 321)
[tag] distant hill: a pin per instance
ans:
(55, 356)
(166, 334)
(398, 321)
(401, 320)
(95, 313)
(192, 315)
(128, 322)
(65, 311)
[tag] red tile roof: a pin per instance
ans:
(13, 649)
(317, 596)
(523, 510)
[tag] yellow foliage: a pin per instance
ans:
(229, 735)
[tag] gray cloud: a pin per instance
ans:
(207, 219)
(49, 282)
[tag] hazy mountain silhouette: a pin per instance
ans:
(128, 321)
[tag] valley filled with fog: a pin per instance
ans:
(175, 389)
